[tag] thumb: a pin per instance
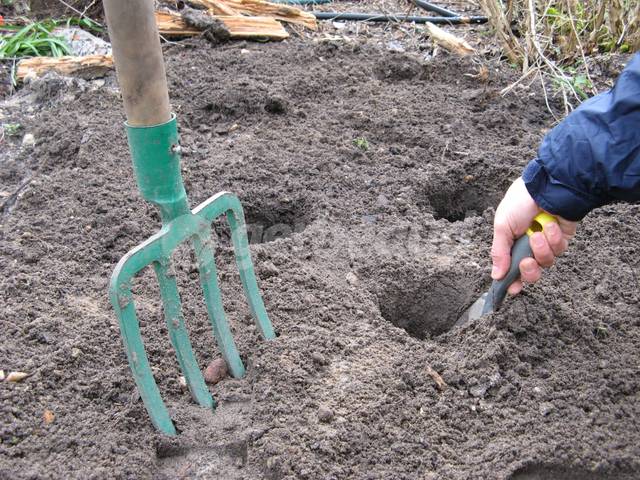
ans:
(501, 249)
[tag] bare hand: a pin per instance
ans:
(513, 217)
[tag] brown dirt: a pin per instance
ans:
(367, 258)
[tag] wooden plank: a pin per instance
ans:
(284, 13)
(90, 66)
(172, 24)
(254, 27)
(238, 26)
(217, 7)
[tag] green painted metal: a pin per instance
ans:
(156, 159)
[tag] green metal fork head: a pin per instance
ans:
(156, 158)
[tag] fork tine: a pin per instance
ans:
(179, 335)
(229, 204)
(235, 218)
(213, 299)
(122, 302)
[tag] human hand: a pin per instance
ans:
(513, 217)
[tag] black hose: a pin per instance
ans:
(378, 17)
(435, 8)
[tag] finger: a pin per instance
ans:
(515, 288)
(541, 250)
(501, 249)
(530, 271)
(555, 238)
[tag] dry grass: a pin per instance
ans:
(550, 40)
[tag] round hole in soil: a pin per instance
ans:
(459, 195)
(268, 222)
(559, 472)
(426, 307)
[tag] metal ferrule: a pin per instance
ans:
(155, 152)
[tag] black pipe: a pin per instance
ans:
(378, 17)
(435, 8)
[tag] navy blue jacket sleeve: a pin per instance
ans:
(593, 156)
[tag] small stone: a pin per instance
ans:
(48, 416)
(468, 178)
(318, 358)
(76, 352)
(546, 408)
(2, 375)
(325, 415)
(478, 391)
(352, 279)
(601, 291)
(216, 371)
(268, 269)
(29, 140)
(182, 382)
(16, 376)
(395, 46)
(382, 201)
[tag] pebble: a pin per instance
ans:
(29, 140)
(16, 376)
(215, 371)
(318, 358)
(76, 352)
(478, 391)
(352, 279)
(382, 201)
(546, 408)
(325, 415)
(268, 269)
(48, 416)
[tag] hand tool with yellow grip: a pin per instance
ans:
(491, 300)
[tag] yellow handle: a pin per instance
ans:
(540, 220)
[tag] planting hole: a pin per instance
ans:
(464, 195)
(426, 307)
(558, 472)
(268, 223)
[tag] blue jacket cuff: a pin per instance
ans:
(554, 197)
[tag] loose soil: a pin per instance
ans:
(366, 254)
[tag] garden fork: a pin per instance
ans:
(155, 151)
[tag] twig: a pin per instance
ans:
(440, 383)
(584, 59)
(522, 78)
(82, 14)
(546, 98)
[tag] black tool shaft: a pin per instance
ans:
(521, 249)
(376, 17)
